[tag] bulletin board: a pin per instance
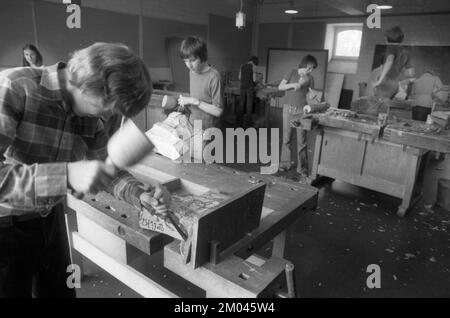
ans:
(282, 61)
(423, 58)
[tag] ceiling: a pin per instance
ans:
(274, 9)
(197, 11)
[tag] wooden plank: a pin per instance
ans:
(226, 224)
(341, 152)
(112, 220)
(333, 88)
(349, 124)
(438, 141)
(126, 274)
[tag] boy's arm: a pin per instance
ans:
(386, 68)
(34, 186)
(214, 109)
(125, 186)
(285, 85)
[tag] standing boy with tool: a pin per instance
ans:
(297, 84)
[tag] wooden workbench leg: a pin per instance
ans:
(279, 244)
(316, 158)
(267, 112)
(410, 183)
(71, 226)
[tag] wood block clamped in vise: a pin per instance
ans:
(200, 215)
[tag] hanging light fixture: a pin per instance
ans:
(291, 9)
(240, 18)
(384, 6)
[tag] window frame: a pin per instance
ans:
(340, 28)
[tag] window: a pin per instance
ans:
(347, 42)
(343, 42)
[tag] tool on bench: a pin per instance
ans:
(171, 217)
(128, 146)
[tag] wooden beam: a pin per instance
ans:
(126, 274)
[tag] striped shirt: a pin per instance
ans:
(39, 134)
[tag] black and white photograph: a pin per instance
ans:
(241, 150)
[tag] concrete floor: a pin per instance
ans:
(351, 229)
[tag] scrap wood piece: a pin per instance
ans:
(183, 208)
(333, 88)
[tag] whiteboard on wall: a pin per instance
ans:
(282, 61)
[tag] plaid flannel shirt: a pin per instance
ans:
(39, 134)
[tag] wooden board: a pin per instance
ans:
(333, 88)
(226, 224)
(417, 134)
(347, 120)
(119, 218)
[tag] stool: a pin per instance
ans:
(443, 194)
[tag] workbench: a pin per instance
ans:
(389, 158)
(109, 235)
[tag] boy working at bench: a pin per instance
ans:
(52, 139)
(297, 83)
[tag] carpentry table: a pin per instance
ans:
(389, 158)
(107, 232)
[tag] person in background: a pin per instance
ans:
(205, 88)
(422, 93)
(248, 79)
(52, 140)
(297, 83)
(396, 66)
(374, 76)
(31, 56)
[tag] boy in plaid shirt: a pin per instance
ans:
(52, 139)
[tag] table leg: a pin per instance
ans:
(72, 226)
(316, 158)
(412, 190)
(279, 244)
